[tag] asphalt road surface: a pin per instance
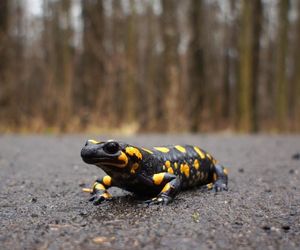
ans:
(42, 206)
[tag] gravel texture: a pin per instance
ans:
(42, 206)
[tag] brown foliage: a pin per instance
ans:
(162, 65)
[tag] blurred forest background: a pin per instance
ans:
(150, 65)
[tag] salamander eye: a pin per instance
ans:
(111, 147)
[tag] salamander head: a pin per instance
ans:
(108, 153)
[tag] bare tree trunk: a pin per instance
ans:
(257, 22)
(131, 47)
(280, 77)
(196, 66)
(170, 85)
(5, 95)
(244, 104)
(296, 78)
(119, 78)
(66, 85)
(93, 61)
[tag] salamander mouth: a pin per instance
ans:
(100, 160)
(104, 161)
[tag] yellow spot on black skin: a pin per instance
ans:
(134, 167)
(123, 157)
(162, 149)
(133, 151)
(175, 165)
(166, 188)
(106, 195)
(184, 168)
(158, 178)
(147, 150)
(98, 186)
(209, 186)
(181, 149)
(199, 152)
(107, 180)
(168, 164)
(170, 171)
(196, 164)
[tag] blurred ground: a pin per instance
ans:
(42, 206)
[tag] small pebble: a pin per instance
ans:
(83, 213)
(266, 228)
(296, 156)
(291, 171)
(286, 227)
(239, 223)
(102, 239)
(241, 170)
(33, 200)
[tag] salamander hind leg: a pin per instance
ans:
(220, 179)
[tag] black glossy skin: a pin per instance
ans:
(151, 172)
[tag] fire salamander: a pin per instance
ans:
(160, 172)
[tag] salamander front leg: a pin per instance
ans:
(99, 191)
(220, 179)
(170, 187)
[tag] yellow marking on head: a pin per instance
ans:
(162, 149)
(158, 178)
(196, 164)
(215, 177)
(106, 195)
(147, 150)
(175, 165)
(99, 186)
(199, 152)
(123, 157)
(134, 167)
(134, 151)
(166, 188)
(93, 141)
(107, 180)
(168, 164)
(184, 168)
(170, 171)
(209, 186)
(225, 171)
(181, 149)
